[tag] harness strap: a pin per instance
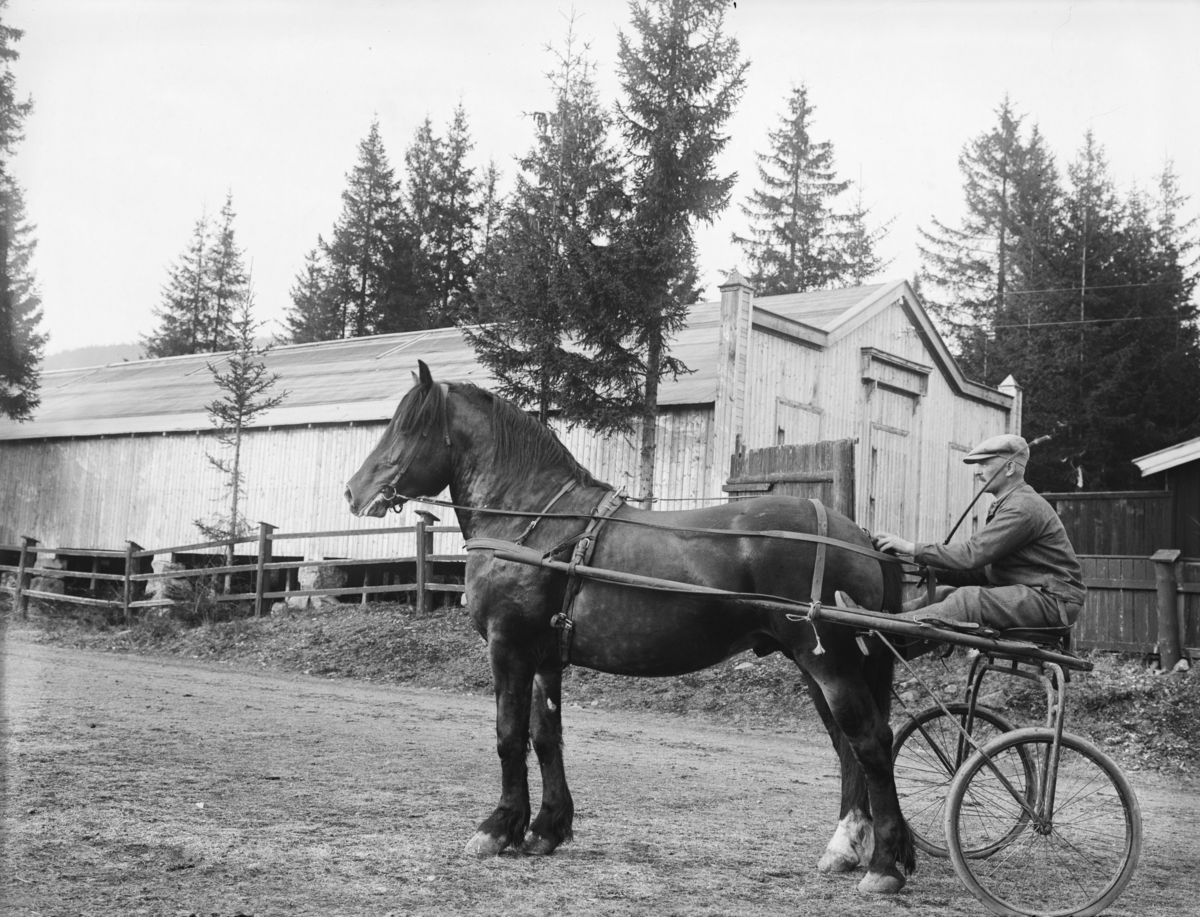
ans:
(818, 578)
(581, 557)
(542, 515)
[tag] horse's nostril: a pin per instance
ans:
(349, 497)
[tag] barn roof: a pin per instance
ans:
(362, 379)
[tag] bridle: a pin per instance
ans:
(388, 493)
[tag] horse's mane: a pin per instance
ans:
(523, 446)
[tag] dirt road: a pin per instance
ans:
(144, 786)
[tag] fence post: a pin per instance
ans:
(424, 549)
(264, 557)
(24, 578)
(1168, 614)
(127, 595)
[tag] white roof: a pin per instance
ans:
(1163, 459)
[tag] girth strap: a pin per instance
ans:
(581, 556)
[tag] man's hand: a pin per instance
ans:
(893, 544)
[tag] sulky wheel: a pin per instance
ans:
(1074, 860)
(927, 752)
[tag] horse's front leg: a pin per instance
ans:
(512, 674)
(552, 825)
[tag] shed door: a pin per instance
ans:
(823, 470)
(891, 465)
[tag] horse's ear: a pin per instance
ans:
(425, 379)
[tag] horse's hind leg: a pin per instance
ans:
(552, 825)
(512, 674)
(860, 711)
(854, 840)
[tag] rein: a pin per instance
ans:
(662, 526)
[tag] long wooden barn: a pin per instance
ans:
(118, 452)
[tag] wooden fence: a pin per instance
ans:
(263, 569)
(1129, 523)
(1134, 602)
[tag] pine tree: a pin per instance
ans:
(184, 312)
(549, 303)
(363, 238)
(682, 78)
(859, 260)
(797, 240)
(246, 388)
(21, 344)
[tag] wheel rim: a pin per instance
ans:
(1077, 862)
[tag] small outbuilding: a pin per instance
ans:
(847, 394)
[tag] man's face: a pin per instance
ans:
(986, 471)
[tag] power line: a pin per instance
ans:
(1088, 321)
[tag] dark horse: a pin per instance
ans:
(493, 457)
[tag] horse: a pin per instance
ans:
(511, 479)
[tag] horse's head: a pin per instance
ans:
(412, 458)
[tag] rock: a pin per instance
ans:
(55, 585)
(1182, 666)
(318, 578)
(167, 587)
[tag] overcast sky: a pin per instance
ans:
(148, 111)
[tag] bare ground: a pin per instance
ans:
(139, 785)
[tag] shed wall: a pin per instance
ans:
(100, 492)
(909, 450)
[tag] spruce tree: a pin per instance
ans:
(442, 209)
(456, 213)
(797, 240)
(682, 77)
(227, 281)
(246, 389)
(552, 313)
(184, 311)
(313, 314)
(363, 237)
(21, 344)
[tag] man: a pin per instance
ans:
(1019, 570)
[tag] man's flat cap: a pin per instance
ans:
(1008, 445)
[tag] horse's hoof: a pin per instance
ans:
(888, 882)
(484, 845)
(836, 862)
(539, 846)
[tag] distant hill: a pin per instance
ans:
(97, 355)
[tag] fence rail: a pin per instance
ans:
(259, 569)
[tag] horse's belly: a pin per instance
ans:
(650, 634)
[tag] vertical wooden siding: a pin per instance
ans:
(99, 492)
(1135, 523)
(921, 485)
